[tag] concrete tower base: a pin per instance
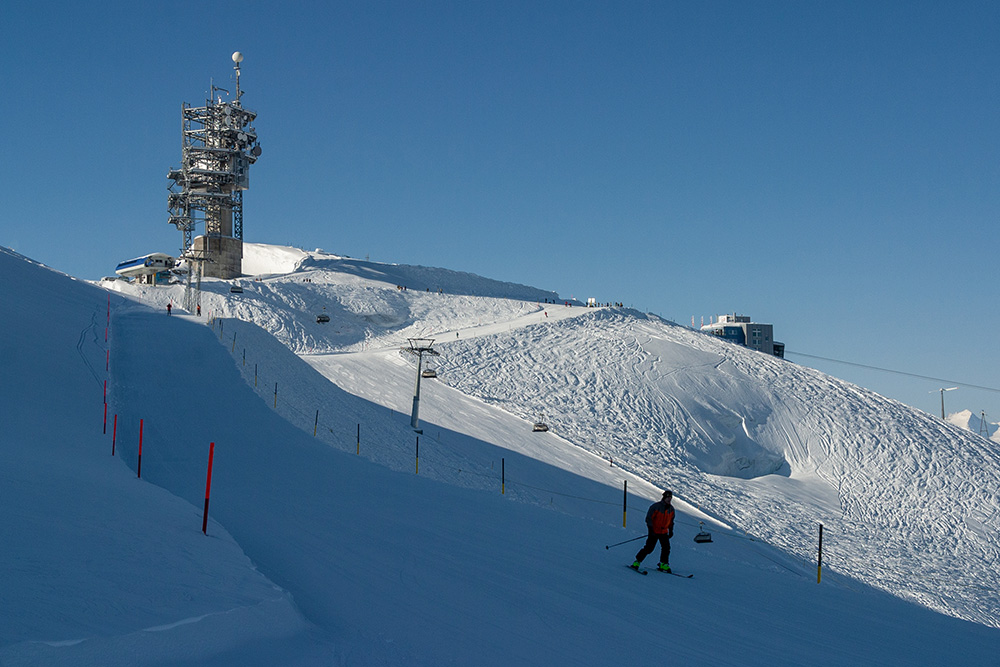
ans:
(225, 255)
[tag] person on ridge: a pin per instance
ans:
(168, 308)
(660, 523)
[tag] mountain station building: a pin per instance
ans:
(740, 330)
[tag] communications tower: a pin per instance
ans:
(218, 146)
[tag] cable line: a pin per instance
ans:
(889, 370)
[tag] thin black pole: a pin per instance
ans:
(819, 562)
(608, 546)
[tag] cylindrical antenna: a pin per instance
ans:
(237, 59)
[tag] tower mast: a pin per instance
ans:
(219, 143)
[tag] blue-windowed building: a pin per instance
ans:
(741, 330)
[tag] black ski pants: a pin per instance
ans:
(651, 541)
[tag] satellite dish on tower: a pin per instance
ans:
(237, 57)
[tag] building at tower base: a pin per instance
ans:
(224, 255)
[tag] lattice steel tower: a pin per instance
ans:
(219, 145)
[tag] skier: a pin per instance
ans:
(168, 308)
(660, 523)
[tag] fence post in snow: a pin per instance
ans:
(105, 418)
(316, 424)
(234, 343)
(138, 468)
(625, 505)
(275, 395)
(819, 561)
(418, 456)
(503, 477)
(359, 439)
(114, 434)
(208, 488)
(255, 375)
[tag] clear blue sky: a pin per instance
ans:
(831, 168)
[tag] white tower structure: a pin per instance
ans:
(218, 146)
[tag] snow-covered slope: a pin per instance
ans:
(354, 556)
(909, 503)
(98, 566)
(975, 423)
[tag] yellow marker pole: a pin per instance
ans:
(625, 505)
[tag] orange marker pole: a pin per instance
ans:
(208, 488)
(138, 469)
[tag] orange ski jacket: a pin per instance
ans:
(660, 518)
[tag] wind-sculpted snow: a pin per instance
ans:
(366, 301)
(270, 260)
(909, 503)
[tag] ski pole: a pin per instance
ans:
(608, 546)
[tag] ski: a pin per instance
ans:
(682, 576)
(635, 569)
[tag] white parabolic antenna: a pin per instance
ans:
(237, 57)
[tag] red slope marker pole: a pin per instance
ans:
(105, 418)
(208, 488)
(114, 434)
(138, 470)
